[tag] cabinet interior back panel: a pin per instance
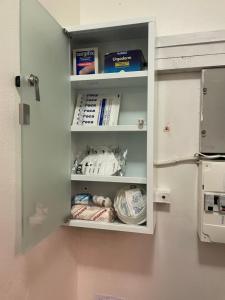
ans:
(112, 33)
(105, 189)
(115, 46)
(134, 142)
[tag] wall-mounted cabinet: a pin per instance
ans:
(50, 142)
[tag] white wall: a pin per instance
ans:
(173, 264)
(66, 12)
(174, 16)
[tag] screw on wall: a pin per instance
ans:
(166, 128)
(203, 132)
(204, 90)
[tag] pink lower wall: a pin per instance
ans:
(48, 271)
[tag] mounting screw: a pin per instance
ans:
(203, 132)
(166, 128)
(204, 90)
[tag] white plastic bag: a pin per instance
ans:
(100, 161)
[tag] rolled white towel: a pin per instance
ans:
(93, 213)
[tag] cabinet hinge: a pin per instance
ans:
(24, 114)
(204, 91)
(66, 219)
(67, 33)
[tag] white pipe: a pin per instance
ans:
(210, 156)
(177, 160)
(191, 159)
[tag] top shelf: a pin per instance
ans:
(108, 80)
(119, 30)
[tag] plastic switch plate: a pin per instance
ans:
(163, 196)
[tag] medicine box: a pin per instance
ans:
(85, 61)
(131, 60)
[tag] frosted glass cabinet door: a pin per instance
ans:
(46, 136)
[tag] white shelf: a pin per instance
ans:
(75, 128)
(122, 179)
(106, 80)
(109, 226)
(118, 30)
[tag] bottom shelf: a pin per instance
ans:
(115, 226)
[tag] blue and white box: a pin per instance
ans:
(127, 61)
(97, 109)
(85, 61)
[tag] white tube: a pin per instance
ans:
(211, 156)
(176, 160)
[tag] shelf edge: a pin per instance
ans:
(109, 226)
(109, 76)
(119, 128)
(118, 179)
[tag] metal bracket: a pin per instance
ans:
(24, 114)
(141, 123)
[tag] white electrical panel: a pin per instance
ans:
(211, 225)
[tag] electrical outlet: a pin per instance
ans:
(105, 297)
(162, 196)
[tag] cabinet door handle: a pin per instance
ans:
(34, 81)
